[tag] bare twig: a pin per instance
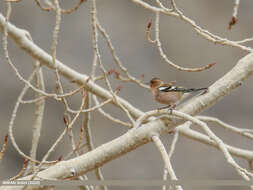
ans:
(234, 18)
(11, 124)
(89, 139)
(39, 112)
(171, 151)
(108, 116)
(117, 60)
(3, 149)
(92, 108)
(64, 11)
(49, 8)
(166, 159)
(202, 32)
(76, 147)
(162, 6)
(96, 50)
(27, 36)
(68, 11)
(244, 132)
(163, 55)
(59, 96)
(80, 141)
(22, 171)
(59, 87)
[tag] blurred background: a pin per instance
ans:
(126, 23)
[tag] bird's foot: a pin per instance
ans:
(161, 108)
(170, 107)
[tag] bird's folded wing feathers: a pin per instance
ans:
(171, 89)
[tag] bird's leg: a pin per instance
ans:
(161, 108)
(171, 107)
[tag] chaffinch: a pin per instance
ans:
(166, 93)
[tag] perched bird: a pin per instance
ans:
(166, 93)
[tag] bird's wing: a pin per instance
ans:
(171, 89)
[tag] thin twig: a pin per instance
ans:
(3, 149)
(38, 113)
(49, 8)
(166, 159)
(64, 11)
(69, 126)
(171, 151)
(234, 18)
(22, 171)
(89, 139)
(117, 60)
(202, 32)
(68, 11)
(244, 132)
(13, 117)
(5, 43)
(96, 50)
(162, 6)
(52, 148)
(108, 116)
(163, 55)
(92, 108)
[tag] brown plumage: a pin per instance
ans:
(166, 93)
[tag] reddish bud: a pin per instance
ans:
(65, 120)
(25, 161)
(60, 158)
(6, 138)
(118, 88)
(232, 22)
(142, 76)
(211, 65)
(149, 24)
(111, 71)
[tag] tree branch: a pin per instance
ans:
(135, 137)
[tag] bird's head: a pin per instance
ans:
(155, 83)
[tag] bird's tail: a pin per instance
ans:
(194, 90)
